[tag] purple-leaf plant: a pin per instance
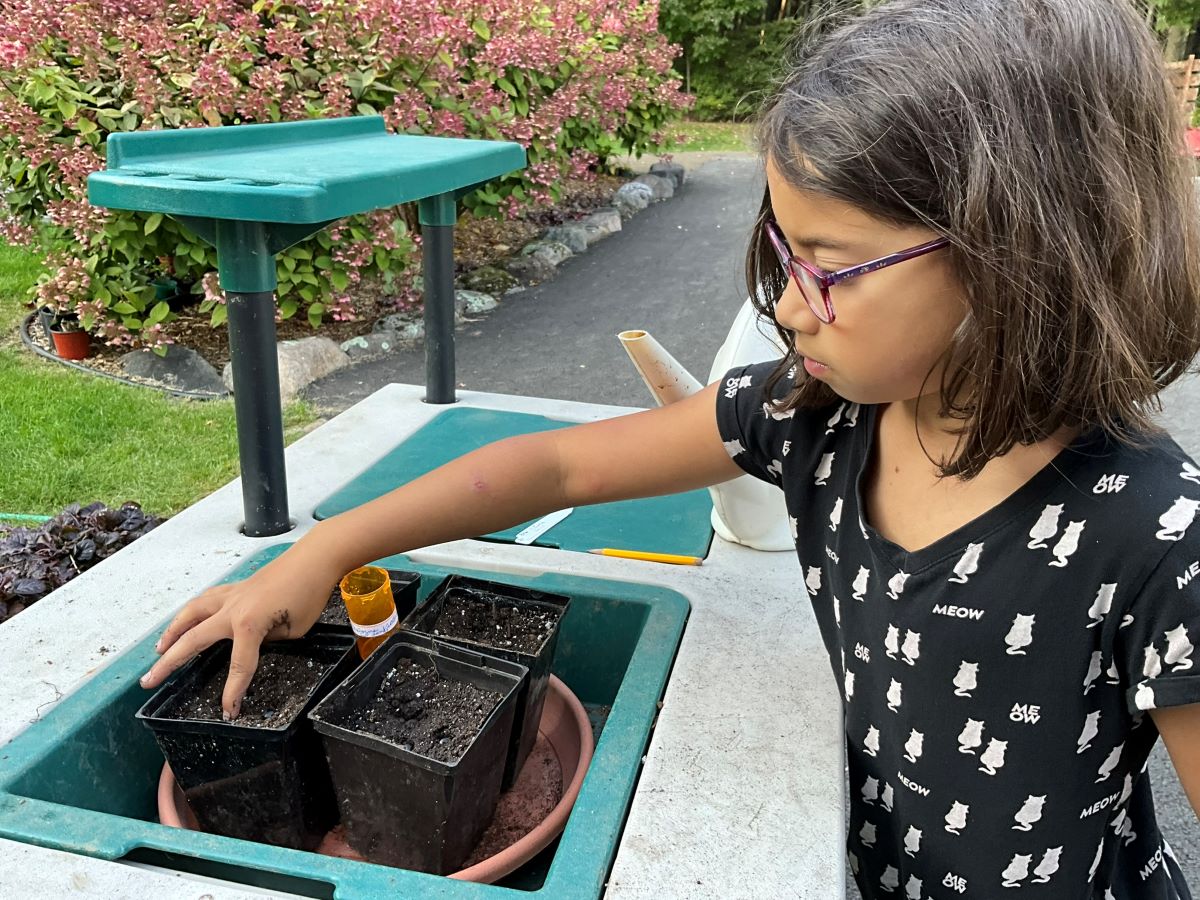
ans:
(36, 561)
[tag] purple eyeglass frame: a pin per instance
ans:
(826, 280)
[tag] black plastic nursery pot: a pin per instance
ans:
(265, 782)
(440, 617)
(404, 808)
(404, 591)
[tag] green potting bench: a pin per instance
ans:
(254, 190)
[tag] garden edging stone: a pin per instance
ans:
(181, 368)
(301, 363)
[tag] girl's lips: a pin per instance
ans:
(815, 368)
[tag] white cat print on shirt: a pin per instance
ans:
(1067, 544)
(824, 468)
(1175, 521)
(967, 565)
(1045, 527)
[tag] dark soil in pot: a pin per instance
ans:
(418, 710)
(417, 739)
(496, 622)
(513, 623)
(278, 692)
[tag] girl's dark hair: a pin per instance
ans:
(1041, 138)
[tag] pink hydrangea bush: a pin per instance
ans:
(575, 82)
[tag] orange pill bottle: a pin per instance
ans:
(367, 593)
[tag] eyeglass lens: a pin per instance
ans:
(810, 288)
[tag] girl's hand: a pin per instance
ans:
(281, 600)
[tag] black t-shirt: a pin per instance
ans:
(995, 682)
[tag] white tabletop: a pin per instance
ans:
(742, 791)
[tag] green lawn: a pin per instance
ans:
(724, 136)
(69, 437)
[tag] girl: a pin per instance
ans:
(980, 246)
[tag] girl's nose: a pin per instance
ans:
(793, 313)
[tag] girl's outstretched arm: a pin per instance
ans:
(1180, 730)
(660, 451)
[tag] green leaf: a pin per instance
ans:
(124, 308)
(67, 108)
(507, 86)
(161, 310)
(366, 109)
(152, 223)
(323, 262)
(219, 314)
(480, 27)
(287, 308)
(197, 253)
(340, 280)
(315, 313)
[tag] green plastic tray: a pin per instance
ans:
(290, 172)
(678, 523)
(83, 779)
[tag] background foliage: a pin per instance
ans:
(732, 49)
(574, 82)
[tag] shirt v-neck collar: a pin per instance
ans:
(1089, 444)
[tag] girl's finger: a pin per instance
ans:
(242, 664)
(188, 645)
(195, 612)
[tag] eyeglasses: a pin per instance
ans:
(814, 282)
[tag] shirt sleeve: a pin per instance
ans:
(753, 432)
(1158, 635)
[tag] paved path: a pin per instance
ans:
(675, 270)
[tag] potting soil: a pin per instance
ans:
(471, 616)
(335, 612)
(280, 687)
(418, 710)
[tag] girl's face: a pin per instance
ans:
(893, 326)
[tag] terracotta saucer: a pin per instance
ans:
(550, 779)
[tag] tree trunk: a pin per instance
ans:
(1177, 40)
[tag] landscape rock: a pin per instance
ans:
(631, 198)
(405, 328)
(182, 369)
(662, 188)
(366, 346)
(671, 170)
(301, 363)
(474, 302)
(393, 323)
(574, 235)
(529, 269)
(553, 252)
(490, 280)
(601, 224)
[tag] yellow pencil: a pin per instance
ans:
(671, 558)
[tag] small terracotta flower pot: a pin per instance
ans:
(72, 344)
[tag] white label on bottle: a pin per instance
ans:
(370, 631)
